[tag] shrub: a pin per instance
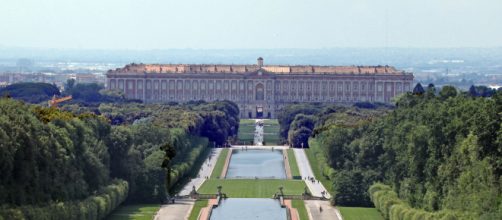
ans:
(393, 208)
(94, 207)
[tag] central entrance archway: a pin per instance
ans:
(259, 111)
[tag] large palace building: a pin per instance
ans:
(259, 89)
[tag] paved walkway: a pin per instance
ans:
(306, 171)
(329, 212)
(205, 170)
(181, 209)
(177, 211)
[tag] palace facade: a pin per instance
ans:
(259, 89)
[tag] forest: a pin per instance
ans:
(82, 161)
(435, 155)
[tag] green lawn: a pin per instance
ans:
(271, 122)
(218, 167)
(245, 188)
(134, 212)
(302, 211)
(357, 213)
(314, 164)
(293, 165)
(247, 122)
(246, 131)
(199, 204)
(271, 132)
(271, 139)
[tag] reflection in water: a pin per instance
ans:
(261, 164)
(247, 209)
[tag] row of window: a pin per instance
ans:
(284, 86)
(259, 97)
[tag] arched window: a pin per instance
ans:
(260, 93)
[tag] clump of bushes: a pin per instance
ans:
(393, 208)
(93, 207)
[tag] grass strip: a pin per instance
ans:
(271, 132)
(302, 210)
(359, 213)
(218, 167)
(316, 166)
(251, 188)
(135, 212)
(293, 165)
(247, 122)
(271, 122)
(198, 205)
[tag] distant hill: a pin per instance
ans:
(30, 92)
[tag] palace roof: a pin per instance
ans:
(275, 69)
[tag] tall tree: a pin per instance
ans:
(418, 90)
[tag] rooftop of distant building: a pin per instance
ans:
(276, 69)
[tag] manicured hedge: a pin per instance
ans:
(198, 148)
(393, 208)
(94, 207)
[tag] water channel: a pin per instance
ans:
(252, 164)
(247, 209)
(261, 164)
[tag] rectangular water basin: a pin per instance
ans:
(256, 164)
(247, 209)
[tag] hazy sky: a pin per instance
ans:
(229, 24)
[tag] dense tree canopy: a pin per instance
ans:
(47, 158)
(438, 151)
(49, 155)
(30, 92)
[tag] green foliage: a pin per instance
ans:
(30, 92)
(55, 157)
(300, 130)
(287, 115)
(437, 152)
(447, 92)
(50, 157)
(317, 159)
(94, 207)
(393, 208)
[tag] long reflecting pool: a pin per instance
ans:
(261, 164)
(247, 209)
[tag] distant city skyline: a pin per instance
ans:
(227, 24)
